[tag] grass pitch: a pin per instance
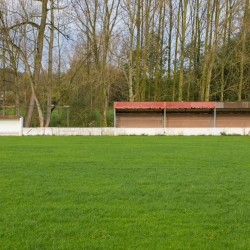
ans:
(127, 192)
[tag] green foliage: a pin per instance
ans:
(232, 70)
(128, 192)
(54, 122)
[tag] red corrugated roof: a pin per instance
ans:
(162, 105)
(10, 116)
(139, 105)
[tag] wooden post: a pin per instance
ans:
(215, 118)
(164, 122)
(67, 117)
(211, 118)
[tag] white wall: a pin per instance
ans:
(135, 131)
(11, 126)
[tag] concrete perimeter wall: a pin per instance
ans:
(135, 131)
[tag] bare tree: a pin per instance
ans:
(33, 77)
(176, 49)
(51, 42)
(130, 8)
(138, 49)
(243, 48)
(3, 74)
(156, 87)
(183, 28)
(88, 12)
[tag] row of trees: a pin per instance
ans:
(89, 53)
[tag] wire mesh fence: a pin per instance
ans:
(63, 116)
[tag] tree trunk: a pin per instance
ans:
(59, 70)
(170, 38)
(195, 75)
(49, 87)
(205, 54)
(130, 64)
(176, 50)
(37, 68)
(14, 59)
(229, 21)
(144, 76)
(223, 56)
(161, 50)
(3, 76)
(138, 63)
(190, 56)
(156, 93)
(184, 14)
(213, 50)
(243, 49)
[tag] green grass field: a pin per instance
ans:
(127, 192)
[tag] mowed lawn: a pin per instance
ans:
(127, 192)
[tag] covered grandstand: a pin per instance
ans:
(181, 114)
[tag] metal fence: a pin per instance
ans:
(21, 110)
(62, 116)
